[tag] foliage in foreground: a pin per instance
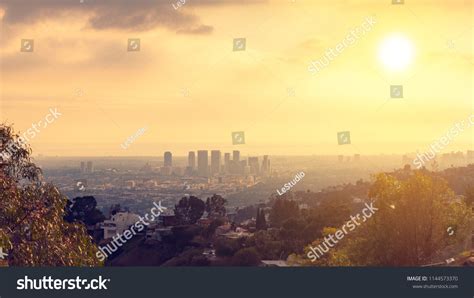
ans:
(32, 228)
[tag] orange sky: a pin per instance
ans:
(191, 91)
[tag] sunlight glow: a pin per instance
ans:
(396, 52)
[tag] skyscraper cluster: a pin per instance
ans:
(87, 168)
(207, 166)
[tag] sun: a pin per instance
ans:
(396, 52)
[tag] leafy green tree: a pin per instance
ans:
(15, 160)
(32, 227)
(410, 227)
(215, 206)
(83, 209)
(189, 210)
(333, 256)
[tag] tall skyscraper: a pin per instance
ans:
(266, 165)
(236, 155)
(227, 162)
(254, 165)
(192, 160)
(168, 159)
(202, 163)
(215, 161)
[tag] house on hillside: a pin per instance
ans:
(118, 223)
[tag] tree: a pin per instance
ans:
(282, 210)
(189, 210)
(268, 244)
(190, 257)
(215, 206)
(32, 227)
(469, 196)
(211, 229)
(226, 247)
(261, 223)
(184, 235)
(83, 209)
(15, 161)
(245, 213)
(326, 255)
(409, 229)
(246, 257)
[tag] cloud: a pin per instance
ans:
(129, 15)
(203, 29)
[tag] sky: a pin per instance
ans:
(190, 90)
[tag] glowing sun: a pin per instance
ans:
(396, 52)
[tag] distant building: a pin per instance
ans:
(83, 167)
(241, 166)
(246, 170)
(254, 165)
(90, 167)
(227, 162)
(266, 165)
(165, 171)
(236, 155)
(130, 184)
(168, 159)
(192, 160)
(178, 171)
(202, 163)
(215, 161)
